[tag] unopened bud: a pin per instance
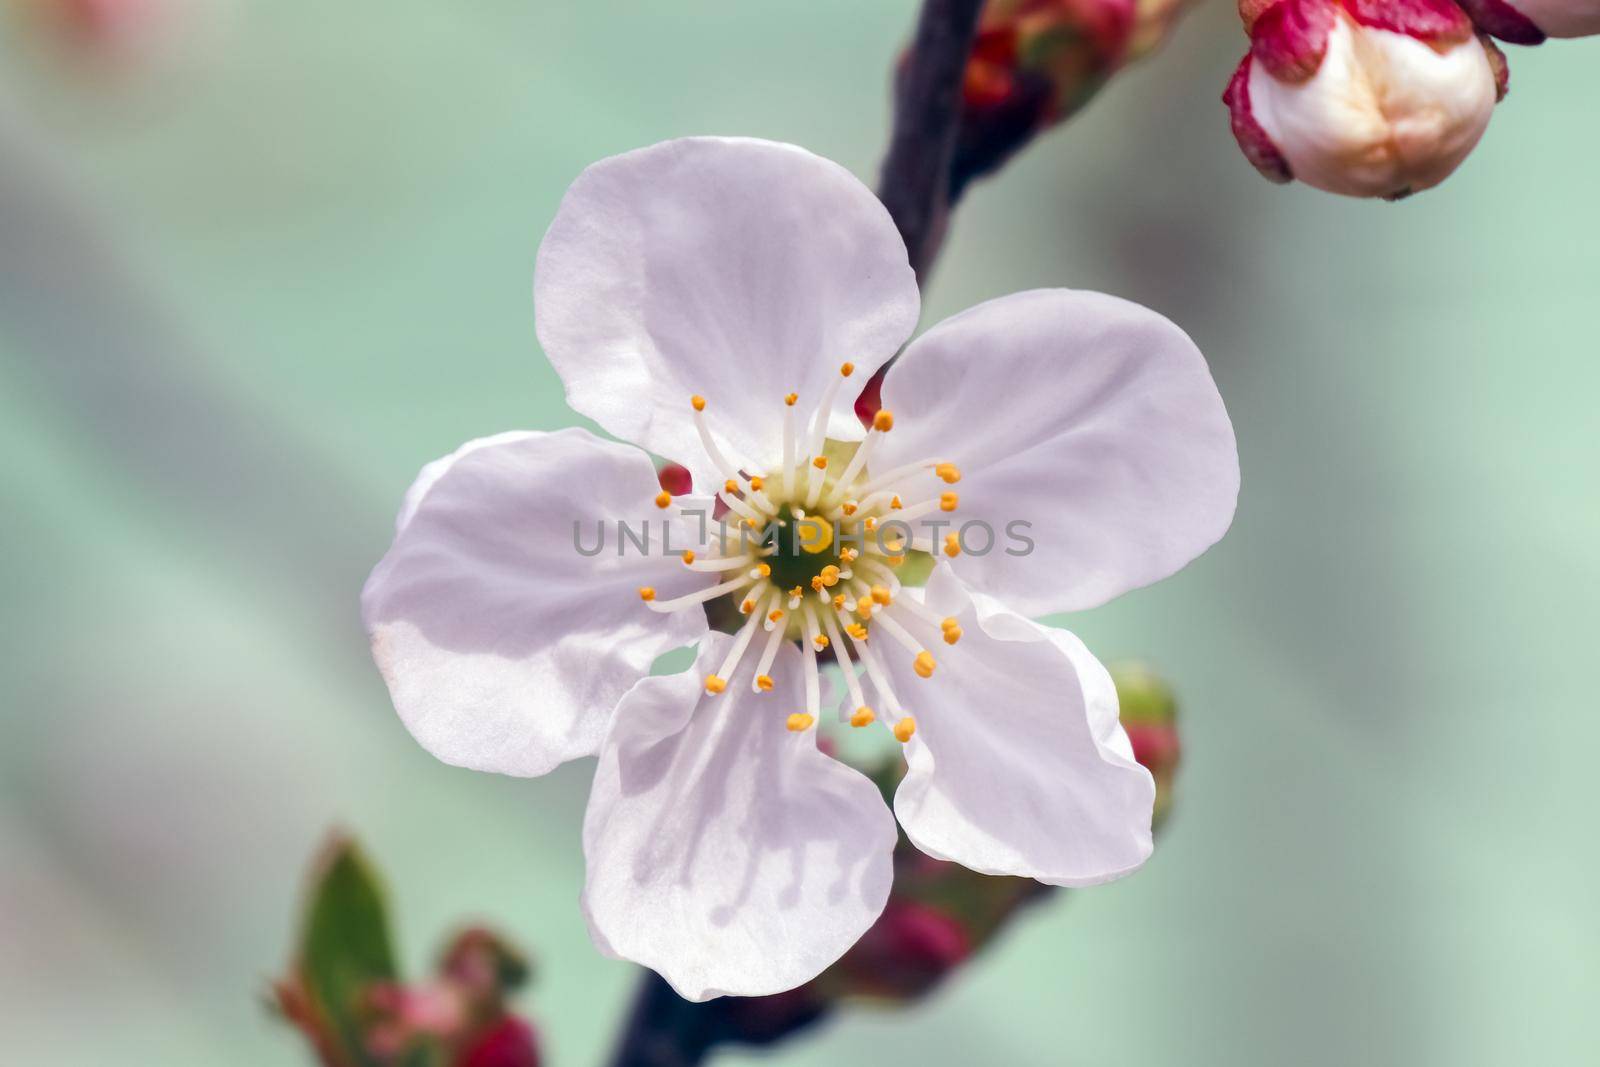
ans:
(1149, 713)
(675, 479)
(1531, 21)
(1361, 97)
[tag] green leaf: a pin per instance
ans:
(345, 945)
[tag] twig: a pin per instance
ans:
(915, 181)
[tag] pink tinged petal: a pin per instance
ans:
(1290, 38)
(1019, 764)
(504, 647)
(1091, 419)
(1253, 140)
(739, 270)
(1436, 22)
(725, 852)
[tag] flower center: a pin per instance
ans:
(812, 552)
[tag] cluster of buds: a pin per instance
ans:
(343, 992)
(1036, 62)
(1379, 98)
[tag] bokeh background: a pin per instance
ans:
(254, 276)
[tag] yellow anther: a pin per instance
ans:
(764, 569)
(869, 524)
(923, 664)
(663, 499)
(895, 561)
(647, 592)
(847, 369)
(764, 682)
(688, 555)
(948, 501)
(829, 575)
(948, 472)
(857, 631)
(799, 722)
(758, 483)
(848, 507)
(791, 399)
(821, 463)
(775, 614)
(952, 545)
(748, 606)
(948, 623)
(715, 685)
(730, 486)
(880, 593)
(848, 555)
(816, 583)
(816, 534)
(698, 401)
(952, 634)
(883, 421)
(751, 523)
(797, 591)
(894, 503)
(838, 601)
(863, 607)
(821, 641)
(904, 729)
(862, 716)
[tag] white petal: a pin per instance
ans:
(506, 648)
(1089, 418)
(740, 270)
(1019, 764)
(724, 852)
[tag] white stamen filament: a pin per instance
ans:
(740, 643)
(813, 684)
(690, 599)
(859, 460)
(740, 508)
(886, 621)
(768, 654)
(718, 460)
(880, 680)
(788, 447)
(888, 478)
(851, 682)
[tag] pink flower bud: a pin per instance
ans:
(1362, 97)
(1531, 21)
(675, 478)
(509, 1043)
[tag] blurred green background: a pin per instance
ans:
(249, 285)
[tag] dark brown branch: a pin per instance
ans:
(915, 181)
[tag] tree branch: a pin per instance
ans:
(915, 181)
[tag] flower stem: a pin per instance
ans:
(914, 183)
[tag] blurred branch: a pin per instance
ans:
(915, 181)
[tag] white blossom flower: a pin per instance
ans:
(1363, 98)
(719, 302)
